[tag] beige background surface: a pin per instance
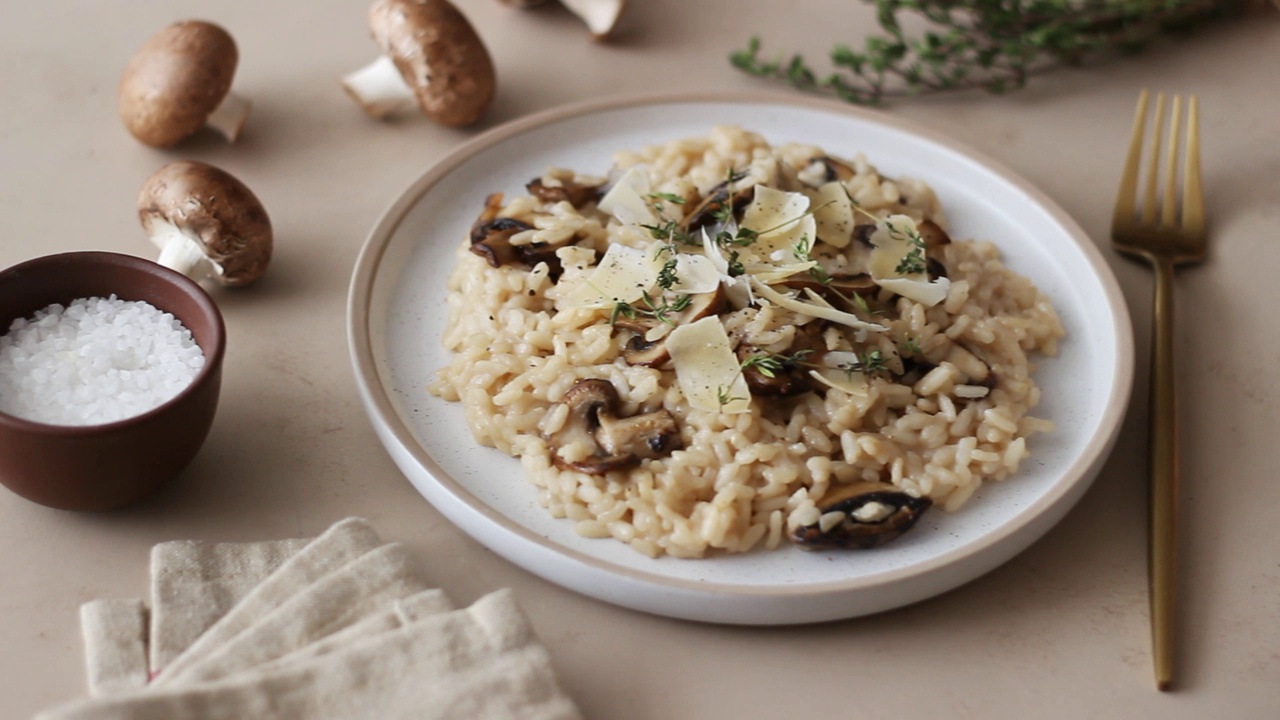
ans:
(1061, 631)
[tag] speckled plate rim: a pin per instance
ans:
(706, 600)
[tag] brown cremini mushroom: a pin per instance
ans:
(861, 516)
(178, 82)
(615, 442)
(431, 58)
(206, 223)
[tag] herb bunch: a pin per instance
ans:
(995, 45)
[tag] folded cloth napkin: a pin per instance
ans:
(481, 662)
(193, 584)
(115, 645)
(337, 546)
(361, 588)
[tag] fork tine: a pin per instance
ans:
(1128, 192)
(1169, 204)
(1192, 192)
(1153, 172)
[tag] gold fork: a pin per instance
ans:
(1177, 236)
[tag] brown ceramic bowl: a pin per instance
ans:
(108, 466)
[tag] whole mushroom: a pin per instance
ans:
(432, 58)
(180, 81)
(600, 15)
(206, 223)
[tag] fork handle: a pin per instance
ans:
(1164, 477)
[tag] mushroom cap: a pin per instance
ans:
(438, 54)
(175, 80)
(214, 209)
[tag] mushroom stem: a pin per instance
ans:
(600, 15)
(228, 118)
(180, 252)
(379, 88)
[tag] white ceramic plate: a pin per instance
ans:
(397, 314)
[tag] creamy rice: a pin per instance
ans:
(746, 480)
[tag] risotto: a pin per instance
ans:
(726, 345)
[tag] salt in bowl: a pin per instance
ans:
(109, 465)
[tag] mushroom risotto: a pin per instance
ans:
(727, 345)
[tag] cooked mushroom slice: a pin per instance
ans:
(576, 195)
(861, 516)
(822, 169)
(704, 212)
(615, 442)
(838, 288)
(863, 232)
(776, 376)
(652, 353)
(932, 234)
(491, 240)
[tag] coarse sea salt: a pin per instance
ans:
(96, 360)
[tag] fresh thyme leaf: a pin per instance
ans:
(722, 395)
(669, 197)
(621, 308)
(667, 275)
(988, 44)
(911, 263)
(736, 267)
(910, 345)
(767, 365)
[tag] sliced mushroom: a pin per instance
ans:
(616, 442)
(652, 353)
(575, 194)
(862, 232)
(823, 169)
(702, 214)
(861, 516)
(491, 240)
(838, 288)
(788, 375)
(178, 82)
(932, 234)
(431, 58)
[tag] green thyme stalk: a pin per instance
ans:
(995, 45)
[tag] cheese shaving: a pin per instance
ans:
(706, 368)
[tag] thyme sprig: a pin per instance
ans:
(994, 45)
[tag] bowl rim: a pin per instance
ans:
(212, 356)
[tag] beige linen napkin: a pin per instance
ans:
(337, 546)
(363, 587)
(480, 663)
(194, 583)
(115, 645)
(401, 613)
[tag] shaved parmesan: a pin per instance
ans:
(852, 381)
(824, 311)
(782, 220)
(737, 288)
(838, 372)
(833, 213)
(623, 275)
(695, 274)
(706, 368)
(896, 238)
(628, 199)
